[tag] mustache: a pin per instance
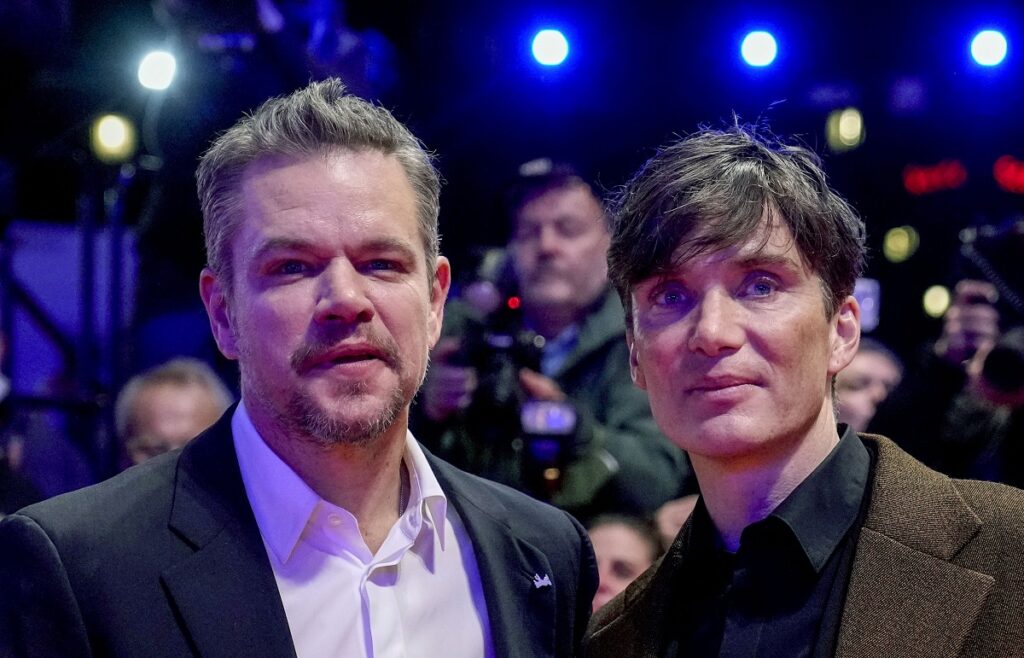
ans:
(308, 354)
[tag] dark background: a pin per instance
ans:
(461, 75)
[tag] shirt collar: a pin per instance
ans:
(823, 507)
(283, 503)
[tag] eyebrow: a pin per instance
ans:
(375, 245)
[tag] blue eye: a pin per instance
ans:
(669, 296)
(291, 267)
(761, 286)
(381, 265)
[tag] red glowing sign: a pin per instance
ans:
(1009, 174)
(926, 179)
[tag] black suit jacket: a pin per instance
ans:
(166, 559)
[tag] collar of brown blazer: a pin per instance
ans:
(906, 597)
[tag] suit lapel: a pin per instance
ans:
(224, 593)
(521, 613)
(906, 597)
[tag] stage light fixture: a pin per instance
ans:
(988, 48)
(759, 48)
(113, 138)
(157, 69)
(550, 47)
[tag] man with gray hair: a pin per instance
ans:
(166, 406)
(308, 521)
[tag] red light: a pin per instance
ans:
(514, 302)
(1009, 174)
(926, 179)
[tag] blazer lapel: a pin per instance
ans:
(225, 593)
(516, 576)
(906, 597)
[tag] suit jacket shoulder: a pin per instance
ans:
(939, 567)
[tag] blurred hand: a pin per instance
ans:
(448, 389)
(540, 387)
(971, 325)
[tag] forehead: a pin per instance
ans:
(340, 193)
(771, 242)
(573, 201)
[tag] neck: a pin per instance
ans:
(744, 490)
(365, 479)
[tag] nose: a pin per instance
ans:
(716, 327)
(547, 240)
(342, 295)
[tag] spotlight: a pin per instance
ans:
(759, 48)
(900, 243)
(936, 301)
(988, 48)
(550, 47)
(113, 138)
(844, 129)
(156, 70)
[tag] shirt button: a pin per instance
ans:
(334, 520)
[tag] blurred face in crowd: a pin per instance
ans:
(559, 249)
(332, 310)
(736, 351)
(622, 555)
(863, 385)
(167, 416)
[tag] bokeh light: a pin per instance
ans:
(157, 69)
(759, 48)
(550, 47)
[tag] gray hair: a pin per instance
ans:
(182, 372)
(315, 120)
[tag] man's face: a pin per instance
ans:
(167, 416)
(332, 311)
(863, 385)
(559, 249)
(735, 350)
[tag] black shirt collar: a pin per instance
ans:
(818, 513)
(824, 506)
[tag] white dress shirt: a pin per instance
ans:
(419, 595)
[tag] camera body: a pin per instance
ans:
(540, 432)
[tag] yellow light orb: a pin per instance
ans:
(900, 243)
(844, 129)
(113, 138)
(936, 301)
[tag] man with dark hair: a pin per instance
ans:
(736, 263)
(609, 455)
(307, 521)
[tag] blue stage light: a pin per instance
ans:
(550, 47)
(759, 48)
(988, 48)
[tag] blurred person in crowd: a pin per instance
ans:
(864, 384)
(625, 547)
(307, 520)
(167, 406)
(671, 516)
(736, 262)
(538, 396)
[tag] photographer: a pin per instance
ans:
(563, 420)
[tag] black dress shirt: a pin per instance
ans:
(781, 593)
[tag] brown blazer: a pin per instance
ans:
(938, 571)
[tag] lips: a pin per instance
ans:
(314, 357)
(719, 383)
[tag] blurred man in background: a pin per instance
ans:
(538, 396)
(864, 384)
(166, 407)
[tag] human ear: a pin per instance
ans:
(845, 335)
(211, 289)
